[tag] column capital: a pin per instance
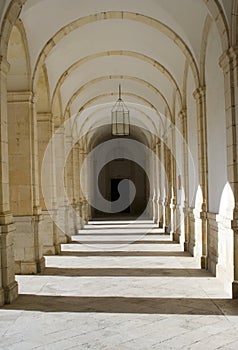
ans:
(158, 142)
(6, 218)
(228, 57)
(82, 150)
(44, 117)
(21, 97)
(182, 114)
(199, 93)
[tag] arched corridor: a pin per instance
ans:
(118, 163)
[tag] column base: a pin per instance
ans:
(57, 249)
(1, 296)
(175, 236)
(9, 290)
(191, 246)
(235, 290)
(159, 224)
(11, 293)
(185, 246)
(49, 250)
(29, 267)
(47, 234)
(204, 262)
(155, 219)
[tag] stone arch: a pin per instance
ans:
(184, 92)
(10, 18)
(43, 92)
(206, 30)
(234, 24)
(219, 17)
(143, 82)
(18, 57)
(117, 15)
(140, 56)
(96, 98)
(95, 112)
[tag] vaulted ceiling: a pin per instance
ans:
(89, 47)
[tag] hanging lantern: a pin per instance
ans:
(120, 118)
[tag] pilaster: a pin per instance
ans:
(200, 97)
(24, 180)
(183, 118)
(229, 65)
(8, 285)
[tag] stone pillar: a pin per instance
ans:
(229, 64)
(69, 184)
(157, 182)
(160, 193)
(58, 150)
(173, 201)
(154, 199)
(76, 187)
(167, 198)
(50, 236)
(83, 190)
(24, 182)
(185, 213)
(162, 184)
(8, 285)
(201, 214)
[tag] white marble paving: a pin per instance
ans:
(146, 295)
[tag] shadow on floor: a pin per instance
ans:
(126, 272)
(130, 241)
(127, 305)
(105, 235)
(124, 253)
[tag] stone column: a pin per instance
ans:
(185, 213)
(160, 190)
(162, 183)
(50, 236)
(173, 201)
(8, 285)
(24, 182)
(154, 199)
(157, 182)
(76, 187)
(59, 190)
(167, 198)
(69, 174)
(83, 190)
(229, 64)
(201, 213)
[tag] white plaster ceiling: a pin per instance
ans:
(42, 20)
(51, 15)
(111, 66)
(110, 86)
(114, 35)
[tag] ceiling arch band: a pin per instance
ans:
(141, 81)
(117, 15)
(140, 56)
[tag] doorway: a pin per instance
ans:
(115, 193)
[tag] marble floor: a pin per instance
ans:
(120, 285)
